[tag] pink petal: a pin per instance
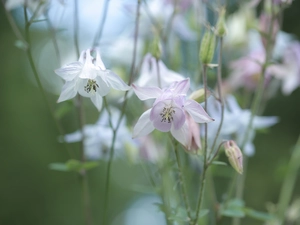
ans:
(146, 92)
(143, 126)
(182, 134)
(197, 112)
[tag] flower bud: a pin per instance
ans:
(199, 95)
(156, 48)
(221, 29)
(207, 47)
(234, 155)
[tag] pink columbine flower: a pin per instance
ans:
(169, 111)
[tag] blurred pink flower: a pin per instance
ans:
(289, 70)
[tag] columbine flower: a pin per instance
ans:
(289, 70)
(89, 78)
(246, 71)
(150, 77)
(169, 111)
(235, 123)
(98, 137)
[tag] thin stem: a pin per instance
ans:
(158, 73)
(219, 86)
(115, 130)
(81, 119)
(205, 165)
(37, 78)
(101, 27)
(76, 28)
(254, 109)
(289, 183)
(53, 36)
(182, 183)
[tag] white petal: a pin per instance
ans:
(115, 81)
(103, 88)
(69, 91)
(197, 112)
(181, 87)
(182, 134)
(232, 104)
(99, 60)
(143, 126)
(97, 100)
(145, 93)
(70, 71)
(264, 121)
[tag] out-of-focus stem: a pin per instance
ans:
(205, 166)
(80, 109)
(219, 86)
(289, 183)
(115, 129)
(254, 109)
(37, 78)
(182, 183)
(101, 27)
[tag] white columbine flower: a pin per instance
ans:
(151, 75)
(98, 137)
(169, 111)
(235, 123)
(89, 77)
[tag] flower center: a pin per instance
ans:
(167, 114)
(91, 85)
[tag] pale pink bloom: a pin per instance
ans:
(169, 111)
(289, 70)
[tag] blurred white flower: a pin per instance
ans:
(98, 137)
(235, 123)
(89, 77)
(156, 74)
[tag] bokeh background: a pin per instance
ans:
(31, 193)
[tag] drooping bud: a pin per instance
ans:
(207, 47)
(199, 95)
(221, 29)
(234, 155)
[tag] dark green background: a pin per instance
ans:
(30, 193)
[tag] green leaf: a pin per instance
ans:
(258, 215)
(58, 167)
(21, 45)
(89, 165)
(233, 208)
(233, 212)
(219, 163)
(203, 212)
(73, 165)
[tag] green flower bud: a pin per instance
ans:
(156, 48)
(234, 155)
(199, 95)
(207, 47)
(221, 29)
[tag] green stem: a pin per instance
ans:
(254, 109)
(205, 165)
(289, 183)
(115, 130)
(37, 78)
(219, 86)
(81, 118)
(101, 27)
(182, 183)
